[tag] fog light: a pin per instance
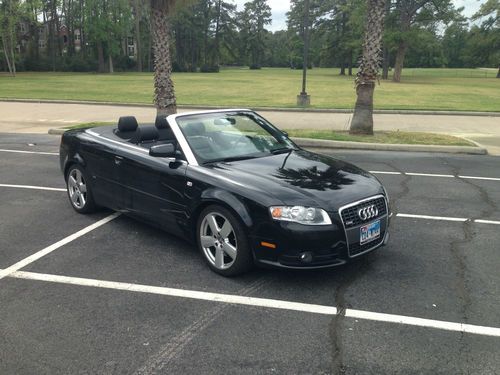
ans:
(306, 257)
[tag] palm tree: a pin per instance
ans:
(164, 87)
(362, 121)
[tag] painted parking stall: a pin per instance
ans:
(112, 256)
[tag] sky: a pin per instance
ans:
(280, 7)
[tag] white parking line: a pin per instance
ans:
(442, 218)
(487, 222)
(430, 175)
(447, 218)
(262, 302)
(30, 152)
(480, 178)
(384, 172)
(32, 187)
(436, 175)
(32, 258)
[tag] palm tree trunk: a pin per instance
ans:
(362, 120)
(164, 87)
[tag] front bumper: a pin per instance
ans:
(307, 247)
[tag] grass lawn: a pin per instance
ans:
(389, 137)
(421, 89)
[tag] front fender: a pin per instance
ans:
(225, 198)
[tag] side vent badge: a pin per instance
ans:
(189, 183)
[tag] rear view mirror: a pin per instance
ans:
(163, 151)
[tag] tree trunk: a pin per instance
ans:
(398, 65)
(110, 60)
(350, 63)
(164, 87)
(7, 57)
(498, 73)
(100, 57)
(137, 31)
(342, 69)
(385, 64)
(362, 120)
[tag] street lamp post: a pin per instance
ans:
(303, 99)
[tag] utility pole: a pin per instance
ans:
(303, 99)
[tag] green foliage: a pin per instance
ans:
(424, 89)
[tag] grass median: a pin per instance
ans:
(383, 137)
(420, 89)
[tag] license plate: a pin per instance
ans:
(369, 232)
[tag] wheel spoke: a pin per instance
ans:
(207, 241)
(82, 199)
(71, 181)
(212, 223)
(229, 250)
(219, 258)
(78, 176)
(226, 229)
(74, 198)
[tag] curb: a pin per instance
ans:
(336, 145)
(327, 145)
(262, 109)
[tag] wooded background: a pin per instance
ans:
(114, 35)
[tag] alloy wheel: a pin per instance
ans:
(77, 188)
(218, 240)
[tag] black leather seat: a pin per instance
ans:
(148, 136)
(128, 129)
(165, 132)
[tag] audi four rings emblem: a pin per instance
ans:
(368, 212)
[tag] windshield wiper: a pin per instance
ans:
(231, 158)
(281, 150)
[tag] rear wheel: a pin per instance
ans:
(79, 191)
(223, 242)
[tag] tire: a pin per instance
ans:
(222, 241)
(79, 190)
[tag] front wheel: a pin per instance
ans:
(223, 242)
(79, 191)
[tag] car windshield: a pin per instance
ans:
(230, 136)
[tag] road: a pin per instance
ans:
(40, 117)
(124, 298)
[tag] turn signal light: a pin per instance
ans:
(268, 244)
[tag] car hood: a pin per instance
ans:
(302, 178)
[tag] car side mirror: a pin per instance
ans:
(163, 151)
(285, 133)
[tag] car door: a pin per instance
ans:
(99, 158)
(153, 188)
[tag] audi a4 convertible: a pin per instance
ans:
(231, 183)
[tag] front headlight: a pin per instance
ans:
(300, 214)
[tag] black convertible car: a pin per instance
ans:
(233, 184)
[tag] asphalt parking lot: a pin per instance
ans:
(125, 298)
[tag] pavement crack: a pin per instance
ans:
(405, 189)
(158, 362)
(335, 329)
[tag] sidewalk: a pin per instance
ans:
(40, 117)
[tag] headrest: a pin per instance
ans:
(194, 128)
(148, 134)
(127, 124)
(161, 122)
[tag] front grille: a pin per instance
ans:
(350, 214)
(356, 248)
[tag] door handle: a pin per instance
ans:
(118, 160)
